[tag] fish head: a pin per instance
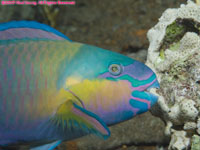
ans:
(113, 86)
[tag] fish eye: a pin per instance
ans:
(115, 69)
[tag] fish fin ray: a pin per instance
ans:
(73, 117)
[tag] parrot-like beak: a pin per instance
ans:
(143, 100)
(153, 98)
(154, 85)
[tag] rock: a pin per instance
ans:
(13, 13)
(112, 25)
(141, 55)
(174, 55)
(179, 141)
(138, 148)
(195, 142)
(142, 129)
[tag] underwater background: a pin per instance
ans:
(117, 25)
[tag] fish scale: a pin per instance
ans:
(53, 89)
(36, 70)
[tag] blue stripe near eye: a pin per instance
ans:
(134, 82)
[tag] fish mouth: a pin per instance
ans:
(151, 90)
(155, 85)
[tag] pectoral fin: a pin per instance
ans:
(50, 146)
(71, 116)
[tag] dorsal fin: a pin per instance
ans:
(29, 29)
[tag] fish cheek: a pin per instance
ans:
(140, 102)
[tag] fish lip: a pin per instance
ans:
(148, 91)
(155, 85)
(151, 92)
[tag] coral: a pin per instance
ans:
(51, 13)
(179, 140)
(174, 54)
(195, 142)
(48, 13)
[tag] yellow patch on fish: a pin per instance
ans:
(105, 90)
(72, 81)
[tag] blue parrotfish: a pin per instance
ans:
(53, 89)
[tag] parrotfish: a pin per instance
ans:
(53, 89)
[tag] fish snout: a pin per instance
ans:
(142, 101)
(145, 82)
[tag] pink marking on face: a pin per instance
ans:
(91, 120)
(135, 110)
(144, 77)
(142, 87)
(143, 100)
